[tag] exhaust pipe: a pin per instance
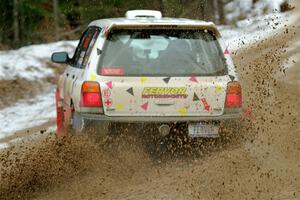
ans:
(164, 130)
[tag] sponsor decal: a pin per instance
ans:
(164, 93)
(106, 93)
(112, 71)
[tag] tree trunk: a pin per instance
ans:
(209, 10)
(55, 13)
(16, 22)
(221, 13)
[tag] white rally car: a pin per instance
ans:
(149, 69)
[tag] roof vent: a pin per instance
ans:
(136, 14)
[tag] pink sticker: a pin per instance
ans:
(226, 52)
(206, 106)
(145, 106)
(109, 84)
(113, 71)
(194, 79)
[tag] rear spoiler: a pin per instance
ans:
(209, 27)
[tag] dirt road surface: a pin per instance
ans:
(262, 160)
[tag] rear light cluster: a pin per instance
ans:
(234, 95)
(91, 94)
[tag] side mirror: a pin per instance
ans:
(60, 57)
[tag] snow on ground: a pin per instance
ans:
(28, 113)
(29, 62)
(241, 9)
(251, 30)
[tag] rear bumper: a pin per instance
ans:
(101, 117)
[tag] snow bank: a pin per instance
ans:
(29, 62)
(29, 113)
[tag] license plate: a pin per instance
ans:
(203, 130)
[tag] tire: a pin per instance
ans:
(97, 130)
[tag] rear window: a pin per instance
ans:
(161, 52)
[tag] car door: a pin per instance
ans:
(74, 72)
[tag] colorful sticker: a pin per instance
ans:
(182, 111)
(205, 104)
(130, 91)
(144, 79)
(166, 80)
(195, 98)
(194, 79)
(120, 106)
(145, 106)
(108, 102)
(226, 52)
(99, 52)
(93, 77)
(106, 93)
(231, 77)
(112, 71)
(109, 84)
(218, 89)
(164, 92)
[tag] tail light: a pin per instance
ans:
(234, 95)
(91, 94)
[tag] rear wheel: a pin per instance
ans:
(97, 130)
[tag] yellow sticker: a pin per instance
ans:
(182, 111)
(144, 79)
(218, 88)
(120, 106)
(93, 77)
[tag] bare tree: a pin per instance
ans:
(55, 13)
(208, 10)
(16, 22)
(221, 13)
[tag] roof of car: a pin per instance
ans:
(124, 21)
(115, 22)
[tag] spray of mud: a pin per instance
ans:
(27, 169)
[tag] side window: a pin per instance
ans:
(85, 47)
(90, 48)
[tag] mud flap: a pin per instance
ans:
(60, 131)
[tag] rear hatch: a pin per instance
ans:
(162, 72)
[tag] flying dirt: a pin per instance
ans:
(260, 160)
